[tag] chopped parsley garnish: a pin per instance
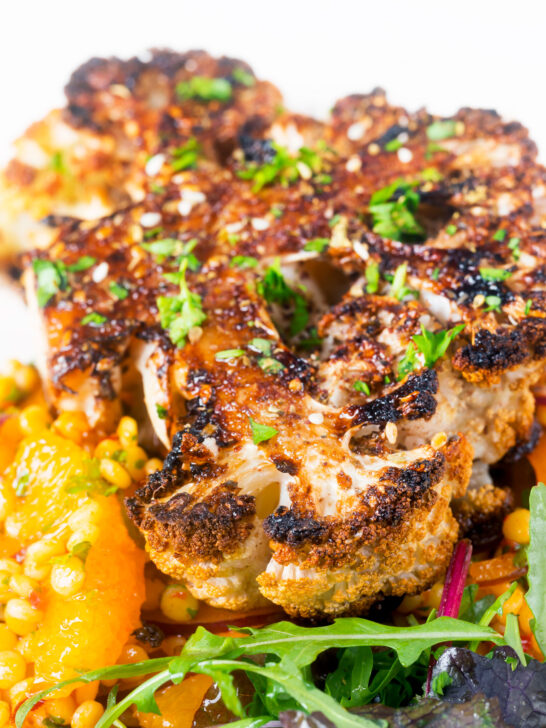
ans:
(439, 130)
(51, 278)
(186, 156)
(22, 485)
(360, 386)
(90, 480)
(83, 263)
(228, 354)
(500, 235)
(317, 245)
(57, 163)
(179, 314)
(261, 433)
(451, 229)
(276, 211)
(435, 274)
(431, 174)
(334, 221)
(275, 289)
(399, 289)
(513, 245)
(270, 365)
(118, 291)
(204, 88)
(81, 550)
(495, 274)
(161, 411)
(528, 306)
(171, 247)
(372, 276)
(243, 77)
(493, 303)
(264, 346)
(392, 209)
(394, 145)
(243, 261)
(432, 345)
(93, 319)
(152, 232)
(313, 341)
(283, 168)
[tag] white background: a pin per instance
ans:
(440, 54)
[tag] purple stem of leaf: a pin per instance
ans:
(452, 593)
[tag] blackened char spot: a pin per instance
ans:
(412, 400)
(284, 526)
(285, 465)
(391, 133)
(259, 151)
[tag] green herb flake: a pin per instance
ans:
(186, 156)
(493, 303)
(243, 261)
(264, 346)
(83, 263)
(243, 77)
(513, 245)
(408, 363)
(275, 289)
(334, 220)
(495, 274)
(81, 550)
(118, 291)
(398, 287)
(276, 211)
(528, 306)
(372, 276)
(179, 314)
(360, 386)
(433, 345)
(261, 433)
(204, 88)
(451, 229)
(270, 365)
(317, 245)
(227, 354)
(149, 234)
(90, 480)
(393, 145)
(285, 169)
(57, 163)
(500, 235)
(435, 274)
(161, 411)
(93, 319)
(392, 209)
(50, 278)
(439, 130)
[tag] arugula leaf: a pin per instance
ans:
(50, 277)
(204, 88)
(261, 433)
(434, 345)
(513, 637)
(439, 130)
(536, 555)
(495, 274)
(178, 314)
(392, 209)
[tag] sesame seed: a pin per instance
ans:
(353, 164)
(259, 223)
(374, 149)
(100, 272)
(154, 164)
(405, 155)
(194, 334)
(478, 301)
(391, 432)
(316, 418)
(356, 131)
(190, 198)
(150, 219)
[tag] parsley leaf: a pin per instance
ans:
(528, 306)
(275, 289)
(360, 386)
(93, 319)
(161, 411)
(228, 354)
(243, 77)
(85, 262)
(317, 245)
(270, 365)
(283, 168)
(118, 291)
(500, 235)
(398, 286)
(264, 346)
(493, 303)
(439, 130)
(433, 345)
(186, 156)
(261, 433)
(204, 88)
(372, 276)
(172, 247)
(392, 209)
(495, 274)
(451, 229)
(243, 261)
(408, 362)
(178, 314)
(334, 221)
(513, 245)
(50, 277)
(22, 485)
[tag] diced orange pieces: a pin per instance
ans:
(538, 459)
(178, 703)
(501, 568)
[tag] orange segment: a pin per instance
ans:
(538, 459)
(178, 704)
(88, 629)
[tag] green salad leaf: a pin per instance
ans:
(536, 557)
